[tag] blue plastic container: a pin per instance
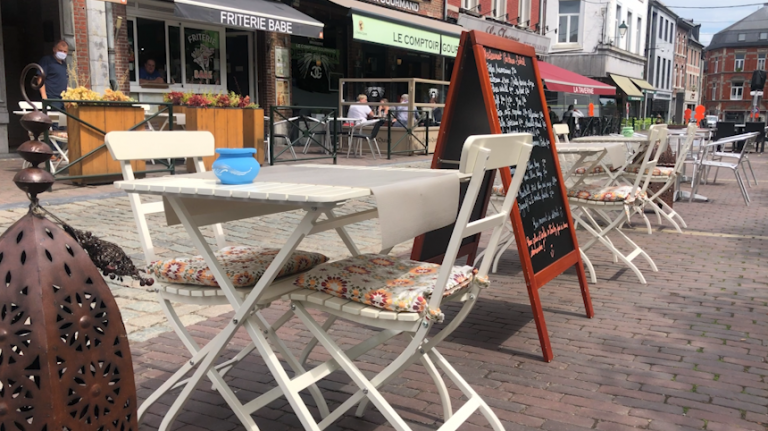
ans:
(236, 165)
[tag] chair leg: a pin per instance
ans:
(749, 165)
(370, 146)
(349, 147)
(668, 213)
(743, 188)
(746, 177)
(588, 264)
(376, 143)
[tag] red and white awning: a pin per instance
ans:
(562, 80)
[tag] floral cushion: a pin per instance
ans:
(594, 171)
(596, 192)
(386, 282)
(498, 191)
(658, 171)
(243, 265)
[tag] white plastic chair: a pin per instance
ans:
(479, 154)
(624, 200)
(561, 132)
(142, 145)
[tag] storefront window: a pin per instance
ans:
(203, 56)
(181, 55)
(152, 46)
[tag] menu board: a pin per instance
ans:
(496, 88)
(540, 200)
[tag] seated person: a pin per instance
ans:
(401, 112)
(383, 110)
(362, 111)
(149, 73)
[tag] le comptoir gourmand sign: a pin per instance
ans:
(401, 36)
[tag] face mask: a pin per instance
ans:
(61, 56)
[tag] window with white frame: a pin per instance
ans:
(669, 74)
(742, 37)
(183, 55)
(639, 30)
(717, 63)
(523, 11)
(737, 90)
(761, 61)
(628, 45)
(469, 5)
(568, 28)
(738, 65)
(617, 34)
(661, 27)
(764, 36)
(500, 8)
(714, 91)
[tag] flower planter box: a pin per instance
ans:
(83, 139)
(231, 128)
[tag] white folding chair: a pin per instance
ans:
(479, 154)
(142, 145)
(621, 200)
(561, 132)
(669, 177)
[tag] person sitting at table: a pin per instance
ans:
(552, 116)
(361, 111)
(149, 73)
(383, 110)
(401, 112)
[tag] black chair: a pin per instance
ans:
(358, 137)
(756, 126)
(724, 130)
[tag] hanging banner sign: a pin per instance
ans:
(388, 33)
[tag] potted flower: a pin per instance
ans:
(233, 120)
(83, 137)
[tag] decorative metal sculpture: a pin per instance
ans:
(65, 362)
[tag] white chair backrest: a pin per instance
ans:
(25, 106)
(657, 144)
(561, 132)
(692, 133)
(140, 145)
(480, 154)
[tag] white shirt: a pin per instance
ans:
(359, 111)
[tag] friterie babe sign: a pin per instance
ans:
(256, 22)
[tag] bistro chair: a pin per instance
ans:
(357, 137)
(362, 290)
(614, 204)
(561, 132)
(706, 163)
(189, 280)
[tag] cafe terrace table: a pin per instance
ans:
(197, 199)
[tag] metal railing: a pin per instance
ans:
(421, 119)
(49, 105)
(306, 126)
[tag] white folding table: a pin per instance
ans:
(194, 200)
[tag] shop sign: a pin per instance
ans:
(449, 46)
(662, 96)
(387, 33)
(406, 5)
(634, 98)
(538, 42)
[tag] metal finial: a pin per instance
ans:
(34, 180)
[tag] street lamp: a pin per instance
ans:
(623, 29)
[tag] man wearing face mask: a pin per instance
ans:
(56, 74)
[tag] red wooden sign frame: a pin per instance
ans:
(476, 42)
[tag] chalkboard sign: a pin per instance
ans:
(540, 201)
(496, 88)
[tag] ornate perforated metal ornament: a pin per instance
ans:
(65, 362)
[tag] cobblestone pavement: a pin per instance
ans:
(684, 352)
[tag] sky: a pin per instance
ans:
(712, 20)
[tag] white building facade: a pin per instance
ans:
(601, 39)
(662, 32)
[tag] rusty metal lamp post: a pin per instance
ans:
(65, 362)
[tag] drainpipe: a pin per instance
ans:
(542, 5)
(111, 45)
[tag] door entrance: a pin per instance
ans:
(239, 61)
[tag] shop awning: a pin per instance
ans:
(627, 87)
(386, 26)
(644, 85)
(263, 15)
(559, 79)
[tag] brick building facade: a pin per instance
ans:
(731, 57)
(521, 13)
(687, 73)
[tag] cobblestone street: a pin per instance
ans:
(684, 352)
